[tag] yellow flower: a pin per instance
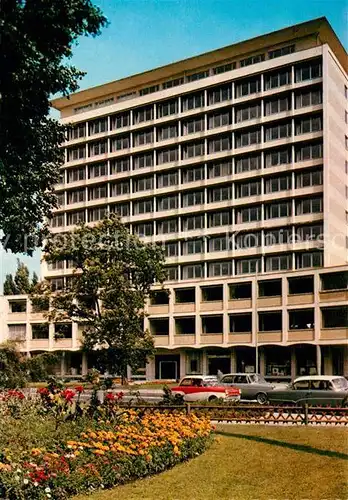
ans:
(99, 452)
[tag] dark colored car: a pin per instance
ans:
(252, 385)
(325, 390)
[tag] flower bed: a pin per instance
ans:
(110, 452)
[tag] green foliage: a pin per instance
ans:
(107, 294)
(12, 367)
(37, 38)
(21, 278)
(38, 367)
(16, 370)
(9, 285)
(171, 399)
(20, 283)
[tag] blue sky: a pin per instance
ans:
(144, 34)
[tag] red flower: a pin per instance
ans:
(43, 391)
(68, 395)
(120, 395)
(79, 389)
(13, 393)
(109, 396)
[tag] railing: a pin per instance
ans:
(257, 414)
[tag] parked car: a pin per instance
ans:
(313, 389)
(252, 385)
(205, 388)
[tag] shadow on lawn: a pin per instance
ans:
(283, 444)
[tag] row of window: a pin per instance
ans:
(245, 163)
(272, 184)
(272, 54)
(224, 142)
(244, 87)
(240, 113)
(245, 266)
(233, 267)
(229, 241)
(241, 215)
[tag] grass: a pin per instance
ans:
(253, 463)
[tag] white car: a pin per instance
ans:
(205, 388)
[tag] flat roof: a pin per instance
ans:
(317, 377)
(319, 27)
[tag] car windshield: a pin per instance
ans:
(257, 378)
(340, 383)
(210, 382)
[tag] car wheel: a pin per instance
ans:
(261, 398)
(212, 398)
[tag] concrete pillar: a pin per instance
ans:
(327, 354)
(63, 364)
(318, 355)
(84, 367)
(345, 360)
(198, 296)
(262, 361)
(293, 363)
(233, 360)
(150, 370)
(182, 364)
(204, 362)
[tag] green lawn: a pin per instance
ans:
(256, 463)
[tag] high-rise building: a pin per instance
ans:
(236, 161)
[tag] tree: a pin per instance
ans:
(36, 41)
(21, 278)
(20, 283)
(108, 291)
(34, 280)
(9, 285)
(16, 369)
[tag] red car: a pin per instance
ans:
(205, 388)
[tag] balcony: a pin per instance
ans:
(39, 345)
(304, 335)
(269, 336)
(212, 298)
(211, 306)
(334, 333)
(184, 340)
(185, 325)
(239, 338)
(158, 309)
(185, 308)
(334, 287)
(17, 316)
(334, 323)
(333, 295)
(239, 304)
(270, 293)
(301, 325)
(159, 327)
(62, 344)
(212, 339)
(269, 301)
(185, 300)
(240, 296)
(161, 340)
(300, 298)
